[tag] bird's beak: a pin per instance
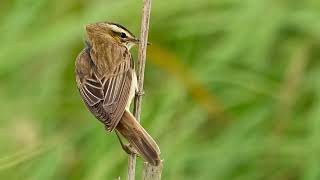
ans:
(137, 41)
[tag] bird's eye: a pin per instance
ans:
(123, 35)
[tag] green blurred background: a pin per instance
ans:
(232, 90)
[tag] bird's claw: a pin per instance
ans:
(140, 93)
(128, 148)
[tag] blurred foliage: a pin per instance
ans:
(232, 89)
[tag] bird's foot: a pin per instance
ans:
(128, 148)
(140, 93)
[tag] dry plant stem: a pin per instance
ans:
(151, 172)
(140, 76)
(131, 167)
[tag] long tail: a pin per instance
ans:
(135, 134)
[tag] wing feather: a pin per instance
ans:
(106, 96)
(118, 107)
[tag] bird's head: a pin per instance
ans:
(102, 30)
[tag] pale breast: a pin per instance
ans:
(133, 89)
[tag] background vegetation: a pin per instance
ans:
(232, 89)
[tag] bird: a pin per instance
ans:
(107, 82)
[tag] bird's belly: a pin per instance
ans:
(133, 88)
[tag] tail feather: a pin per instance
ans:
(135, 134)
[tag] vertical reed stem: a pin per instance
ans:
(140, 76)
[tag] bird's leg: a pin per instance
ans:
(128, 148)
(138, 92)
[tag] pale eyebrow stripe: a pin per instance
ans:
(116, 28)
(119, 29)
